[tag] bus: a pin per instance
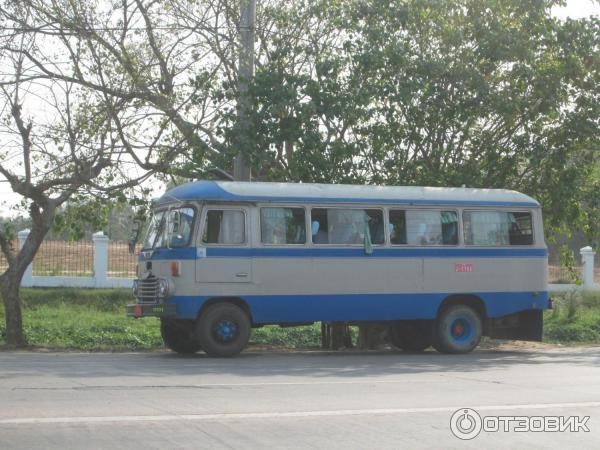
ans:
(438, 267)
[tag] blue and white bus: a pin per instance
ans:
(440, 267)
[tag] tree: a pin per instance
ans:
(486, 94)
(493, 94)
(496, 94)
(49, 172)
(63, 138)
(482, 93)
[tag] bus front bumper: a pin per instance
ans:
(151, 310)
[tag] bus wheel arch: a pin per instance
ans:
(471, 300)
(237, 301)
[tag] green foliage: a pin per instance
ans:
(576, 318)
(568, 260)
(86, 319)
(85, 328)
(94, 319)
(496, 94)
(306, 336)
(8, 231)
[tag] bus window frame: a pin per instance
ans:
(217, 207)
(459, 228)
(167, 210)
(258, 233)
(353, 206)
(507, 210)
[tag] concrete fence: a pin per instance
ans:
(99, 279)
(587, 274)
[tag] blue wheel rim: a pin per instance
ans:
(461, 330)
(225, 331)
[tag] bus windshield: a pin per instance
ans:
(170, 228)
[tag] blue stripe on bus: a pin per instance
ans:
(356, 252)
(171, 253)
(211, 191)
(362, 307)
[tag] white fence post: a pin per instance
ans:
(587, 267)
(100, 259)
(27, 280)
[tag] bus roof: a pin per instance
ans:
(235, 191)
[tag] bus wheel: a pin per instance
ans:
(179, 335)
(223, 330)
(411, 336)
(458, 329)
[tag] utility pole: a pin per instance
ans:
(241, 165)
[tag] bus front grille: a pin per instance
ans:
(148, 290)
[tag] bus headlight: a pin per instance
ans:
(164, 288)
(136, 288)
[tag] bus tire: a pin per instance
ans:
(223, 330)
(411, 336)
(458, 329)
(179, 335)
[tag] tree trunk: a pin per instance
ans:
(10, 284)
(10, 281)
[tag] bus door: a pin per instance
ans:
(223, 254)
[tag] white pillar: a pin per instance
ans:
(100, 259)
(587, 269)
(27, 280)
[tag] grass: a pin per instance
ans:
(87, 319)
(94, 319)
(574, 319)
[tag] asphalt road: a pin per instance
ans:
(362, 400)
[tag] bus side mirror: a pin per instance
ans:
(176, 221)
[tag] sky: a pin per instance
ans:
(573, 9)
(578, 8)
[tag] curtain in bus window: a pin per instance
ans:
(346, 226)
(487, 227)
(424, 227)
(232, 228)
(282, 226)
(375, 226)
(449, 227)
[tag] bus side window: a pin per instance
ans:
(282, 225)
(347, 226)
(521, 230)
(431, 227)
(181, 227)
(498, 228)
(224, 227)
